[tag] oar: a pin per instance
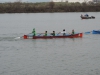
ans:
(40, 34)
(58, 33)
(88, 32)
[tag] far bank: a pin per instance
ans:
(19, 7)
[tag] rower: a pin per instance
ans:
(64, 32)
(53, 33)
(45, 33)
(73, 32)
(34, 32)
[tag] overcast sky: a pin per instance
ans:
(24, 0)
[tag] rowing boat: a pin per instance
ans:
(78, 35)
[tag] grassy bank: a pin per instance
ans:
(19, 7)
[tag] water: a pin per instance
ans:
(78, 56)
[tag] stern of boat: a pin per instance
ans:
(80, 35)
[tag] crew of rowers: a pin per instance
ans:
(53, 33)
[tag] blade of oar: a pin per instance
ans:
(40, 34)
(88, 32)
(58, 33)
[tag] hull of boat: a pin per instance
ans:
(96, 32)
(87, 17)
(51, 37)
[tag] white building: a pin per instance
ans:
(96, 0)
(59, 0)
(81, 1)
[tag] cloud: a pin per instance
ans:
(25, 0)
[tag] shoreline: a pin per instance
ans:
(48, 7)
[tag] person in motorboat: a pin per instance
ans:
(34, 32)
(81, 15)
(86, 15)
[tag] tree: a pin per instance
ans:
(51, 4)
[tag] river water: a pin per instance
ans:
(78, 56)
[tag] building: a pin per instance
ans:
(96, 1)
(59, 0)
(80, 1)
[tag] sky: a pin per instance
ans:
(3, 1)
